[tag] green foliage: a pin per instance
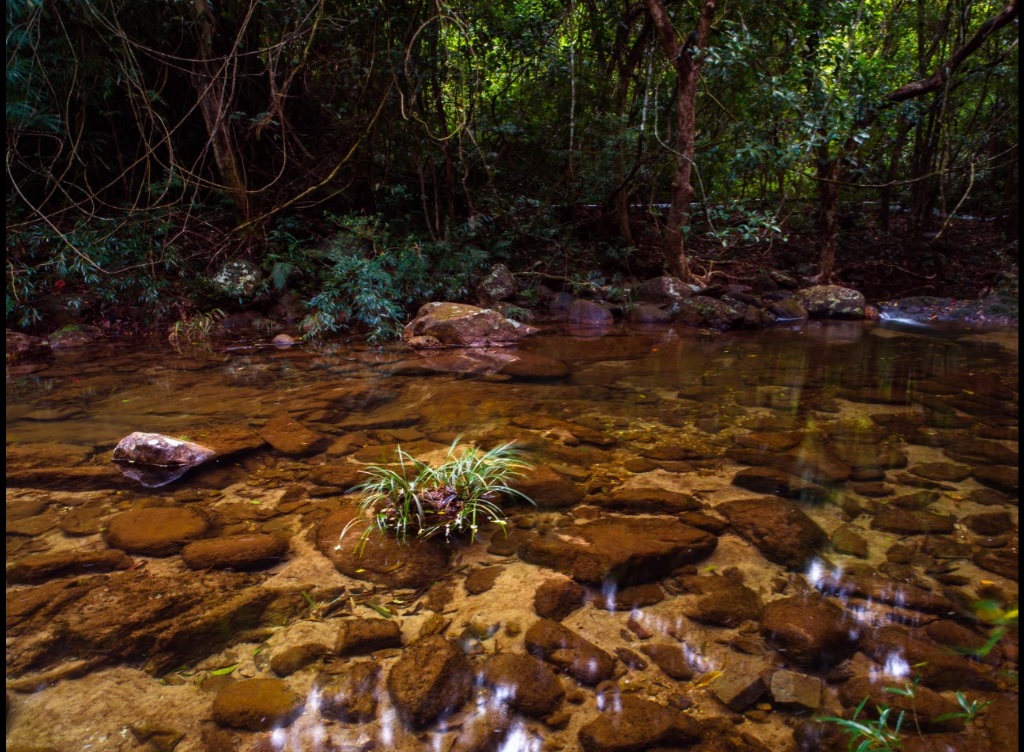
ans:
(447, 140)
(367, 276)
(99, 265)
(1001, 621)
(968, 712)
(195, 328)
(871, 735)
(419, 500)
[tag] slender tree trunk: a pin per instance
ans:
(1011, 197)
(687, 62)
(443, 132)
(829, 173)
(885, 193)
(209, 79)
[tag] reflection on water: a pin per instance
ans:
(896, 450)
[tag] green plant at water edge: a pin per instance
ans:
(421, 500)
(871, 735)
(195, 328)
(1001, 619)
(970, 710)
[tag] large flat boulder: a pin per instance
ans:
(432, 678)
(459, 325)
(379, 558)
(624, 550)
(832, 302)
(777, 527)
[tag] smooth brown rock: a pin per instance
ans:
(547, 488)
(981, 452)
(777, 527)
(360, 636)
(431, 678)
(632, 724)
(379, 558)
(723, 602)
(808, 631)
(351, 697)
(238, 552)
(481, 580)
(556, 598)
(39, 567)
(530, 686)
(768, 480)
(155, 531)
(913, 522)
(647, 500)
(578, 657)
(626, 550)
(671, 659)
(288, 436)
(989, 523)
(935, 666)
(297, 657)
(630, 598)
(257, 705)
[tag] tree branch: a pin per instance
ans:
(938, 79)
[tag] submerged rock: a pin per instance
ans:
(625, 550)
(935, 665)
(556, 598)
(913, 521)
(529, 686)
(238, 552)
(633, 723)
(257, 705)
(768, 480)
(723, 601)
(290, 437)
(578, 657)
(777, 527)
(433, 677)
(361, 636)
(158, 622)
(380, 557)
(670, 658)
(351, 697)
(39, 567)
(156, 531)
(547, 488)
(809, 631)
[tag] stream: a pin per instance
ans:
(731, 535)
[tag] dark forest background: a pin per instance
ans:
(364, 156)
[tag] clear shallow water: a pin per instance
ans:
(674, 410)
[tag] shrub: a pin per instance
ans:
(455, 497)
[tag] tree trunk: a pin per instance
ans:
(687, 62)
(209, 76)
(829, 173)
(829, 169)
